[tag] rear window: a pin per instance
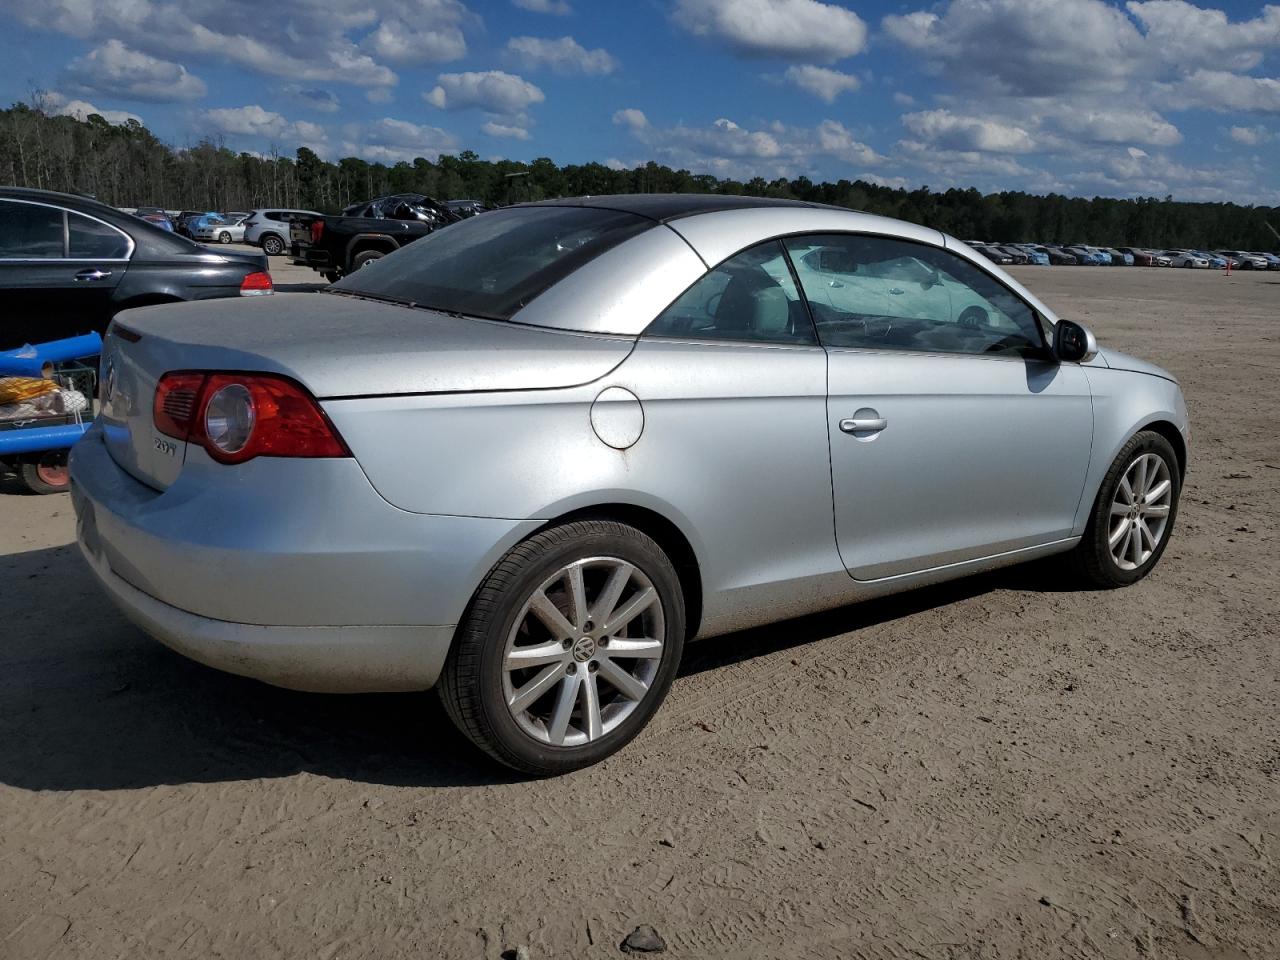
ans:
(494, 264)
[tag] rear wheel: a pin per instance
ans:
(272, 245)
(568, 647)
(365, 257)
(224, 237)
(47, 473)
(1133, 516)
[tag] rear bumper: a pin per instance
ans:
(295, 572)
(348, 659)
(309, 256)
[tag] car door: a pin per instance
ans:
(733, 384)
(58, 270)
(954, 436)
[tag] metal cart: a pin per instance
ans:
(36, 447)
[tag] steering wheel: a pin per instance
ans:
(973, 318)
(712, 305)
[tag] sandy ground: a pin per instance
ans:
(999, 767)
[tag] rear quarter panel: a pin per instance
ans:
(733, 452)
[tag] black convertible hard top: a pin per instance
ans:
(662, 207)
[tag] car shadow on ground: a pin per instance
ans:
(88, 702)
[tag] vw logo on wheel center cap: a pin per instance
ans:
(584, 649)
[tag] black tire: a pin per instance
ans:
(471, 684)
(333, 276)
(224, 237)
(364, 258)
(272, 245)
(47, 473)
(1091, 559)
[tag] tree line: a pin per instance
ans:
(126, 165)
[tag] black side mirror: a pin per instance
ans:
(1073, 343)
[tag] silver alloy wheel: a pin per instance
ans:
(1140, 511)
(595, 619)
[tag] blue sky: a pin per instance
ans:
(1149, 97)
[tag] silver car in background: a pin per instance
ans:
(527, 458)
(228, 229)
(268, 228)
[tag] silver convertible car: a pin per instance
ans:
(528, 457)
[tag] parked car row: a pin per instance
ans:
(1081, 254)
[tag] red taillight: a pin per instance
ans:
(175, 403)
(317, 230)
(239, 416)
(256, 284)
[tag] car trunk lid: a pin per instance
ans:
(334, 345)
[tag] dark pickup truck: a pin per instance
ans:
(365, 231)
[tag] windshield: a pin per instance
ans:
(494, 264)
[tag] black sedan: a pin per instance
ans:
(994, 254)
(69, 264)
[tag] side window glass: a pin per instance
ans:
(30, 231)
(94, 240)
(884, 294)
(751, 296)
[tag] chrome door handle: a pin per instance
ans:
(90, 275)
(869, 425)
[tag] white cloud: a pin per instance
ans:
(57, 105)
(613, 163)
(897, 183)
(564, 55)
(823, 82)
(421, 31)
(1045, 46)
(493, 90)
(834, 140)
(954, 132)
(631, 117)
(254, 120)
(904, 99)
(558, 8)
(728, 149)
(390, 141)
(803, 30)
(1251, 136)
(510, 131)
(960, 166)
(306, 41)
(1224, 91)
(1192, 36)
(1121, 125)
(114, 70)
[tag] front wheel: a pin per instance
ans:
(224, 237)
(272, 246)
(568, 647)
(1133, 516)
